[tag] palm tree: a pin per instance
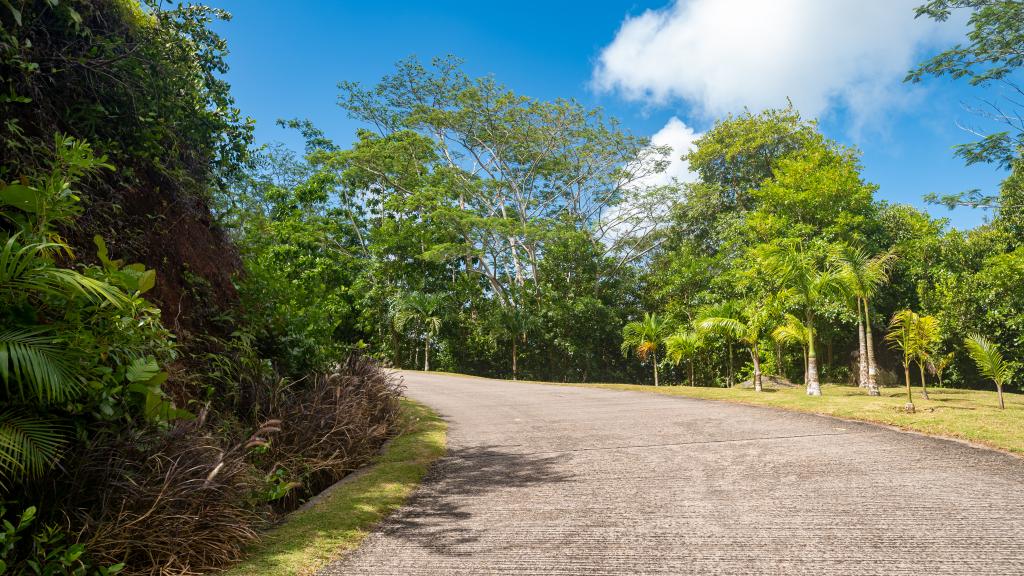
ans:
(683, 344)
(643, 337)
(793, 331)
(928, 338)
(863, 276)
(903, 336)
(747, 331)
(937, 364)
(811, 285)
(990, 362)
(37, 369)
(422, 310)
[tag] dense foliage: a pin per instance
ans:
(156, 414)
(140, 430)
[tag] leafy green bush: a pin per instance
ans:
(44, 551)
(80, 346)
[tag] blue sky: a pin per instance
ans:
(644, 62)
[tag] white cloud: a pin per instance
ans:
(724, 55)
(643, 210)
(680, 138)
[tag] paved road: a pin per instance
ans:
(574, 481)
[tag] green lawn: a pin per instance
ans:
(311, 538)
(965, 414)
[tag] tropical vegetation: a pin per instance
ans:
(183, 311)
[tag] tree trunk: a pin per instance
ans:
(813, 385)
(862, 354)
(999, 390)
(514, 367)
(655, 368)
(906, 376)
(426, 356)
(804, 350)
(872, 369)
(757, 368)
(730, 380)
(924, 389)
(691, 372)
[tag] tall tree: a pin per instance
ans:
(811, 280)
(993, 53)
(864, 275)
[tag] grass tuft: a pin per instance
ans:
(339, 520)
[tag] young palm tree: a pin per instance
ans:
(863, 276)
(937, 364)
(903, 336)
(990, 362)
(811, 285)
(644, 337)
(422, 310)
(793, 331)
(928, 338)
(747, 331)
(683, 344)
(37, 369)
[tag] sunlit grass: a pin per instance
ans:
(336, 524)
(972, 415)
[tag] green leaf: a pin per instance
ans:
(147, 281)
(22, 197)
(17, 19)
(104, 256)
(142, 370)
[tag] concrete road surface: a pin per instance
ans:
(564, 481)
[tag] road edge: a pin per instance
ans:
(335, 522)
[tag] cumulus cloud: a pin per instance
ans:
(680, 137)
(723, 55)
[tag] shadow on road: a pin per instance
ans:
(433, 517)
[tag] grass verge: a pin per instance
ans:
(972, 415)
(338, 522)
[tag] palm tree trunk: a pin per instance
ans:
(872, 370)
(691, 372)
(906, 375)
(804, 350)
(514, 371)
(813, 385)
(924, 389)
(862, 360)
(730, 366)
(999, 390)
(757, 368)
(655, 357)
(426, 356)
